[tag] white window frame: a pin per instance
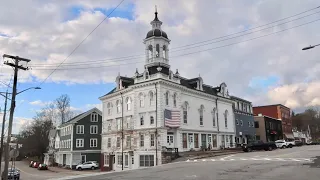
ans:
(93, 142)
(141, 100)
(128, 102)
(79, 143)
(109, 142)
(94, 129)
(94, 117)
(128, 141)
(126, 160)
(141, 144)
(80, 129)
(118, 142)
(152, 140)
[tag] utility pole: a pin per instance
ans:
(3, 125)
(16, 67)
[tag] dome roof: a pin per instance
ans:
(156, 33)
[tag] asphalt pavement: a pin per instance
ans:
(298, 163)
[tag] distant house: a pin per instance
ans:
(49, 156)
(79, 139)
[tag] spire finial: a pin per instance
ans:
(156, 14)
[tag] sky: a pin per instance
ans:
(263, 64)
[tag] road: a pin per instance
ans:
(298, 163)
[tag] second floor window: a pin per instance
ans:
(118, 141)
(151, 120)
(128, 101)
(94, 129)
(118, 106)
(141, 140)
(174, 100)
(185, 112)
(109, 107)
(128, 141)
(201, 114)
(109, 142)
(141, 99)
(167, 98)
(80, 129)
(151, 97)
(226, 118)
(79, 142)
(141, 121)
(152, 140)
(94, 142)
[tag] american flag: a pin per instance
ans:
(171, 118)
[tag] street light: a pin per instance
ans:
(3, 123)
(310, 47)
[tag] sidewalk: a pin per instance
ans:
(206, 154)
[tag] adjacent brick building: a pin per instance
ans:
(277, 111)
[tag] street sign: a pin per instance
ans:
(14, 153)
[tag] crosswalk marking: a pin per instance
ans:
(252, 159)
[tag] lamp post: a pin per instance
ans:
(310, 47)
(7, 148)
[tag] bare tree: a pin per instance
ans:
(63, 107)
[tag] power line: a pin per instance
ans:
(194, 52)
(82, 42)
(124, 58)
(88, 63)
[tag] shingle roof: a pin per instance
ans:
(76, 118)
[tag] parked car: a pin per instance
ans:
(13, 173)
(259, 145)
(284, 144)
(290, 143)
(31, 164)
(88, 165)
(35, 164)
(281, 144)
(42, 167)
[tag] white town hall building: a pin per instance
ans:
(161, 107)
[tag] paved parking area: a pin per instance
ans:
(28, 173)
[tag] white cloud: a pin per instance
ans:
(48, 38)
(39, 103)
(90, 106)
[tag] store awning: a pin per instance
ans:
(288, 135)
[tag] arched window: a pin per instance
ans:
(164, 51)
(175, 100)
(157, 50)
(118, 103)
(201, 115)
(167, 98)
(226, 118)
(128, 101)
(185, 112)
(109, 108)
(150, 51)
(141, 99)
(150, 97)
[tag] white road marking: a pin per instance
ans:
(195, 160)
(255, 159)
(222, 159)
(204, 160)
(188, 160)
(280, 159)
(229, 156)
(213, 160)
(243, 159)
(268, 159)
